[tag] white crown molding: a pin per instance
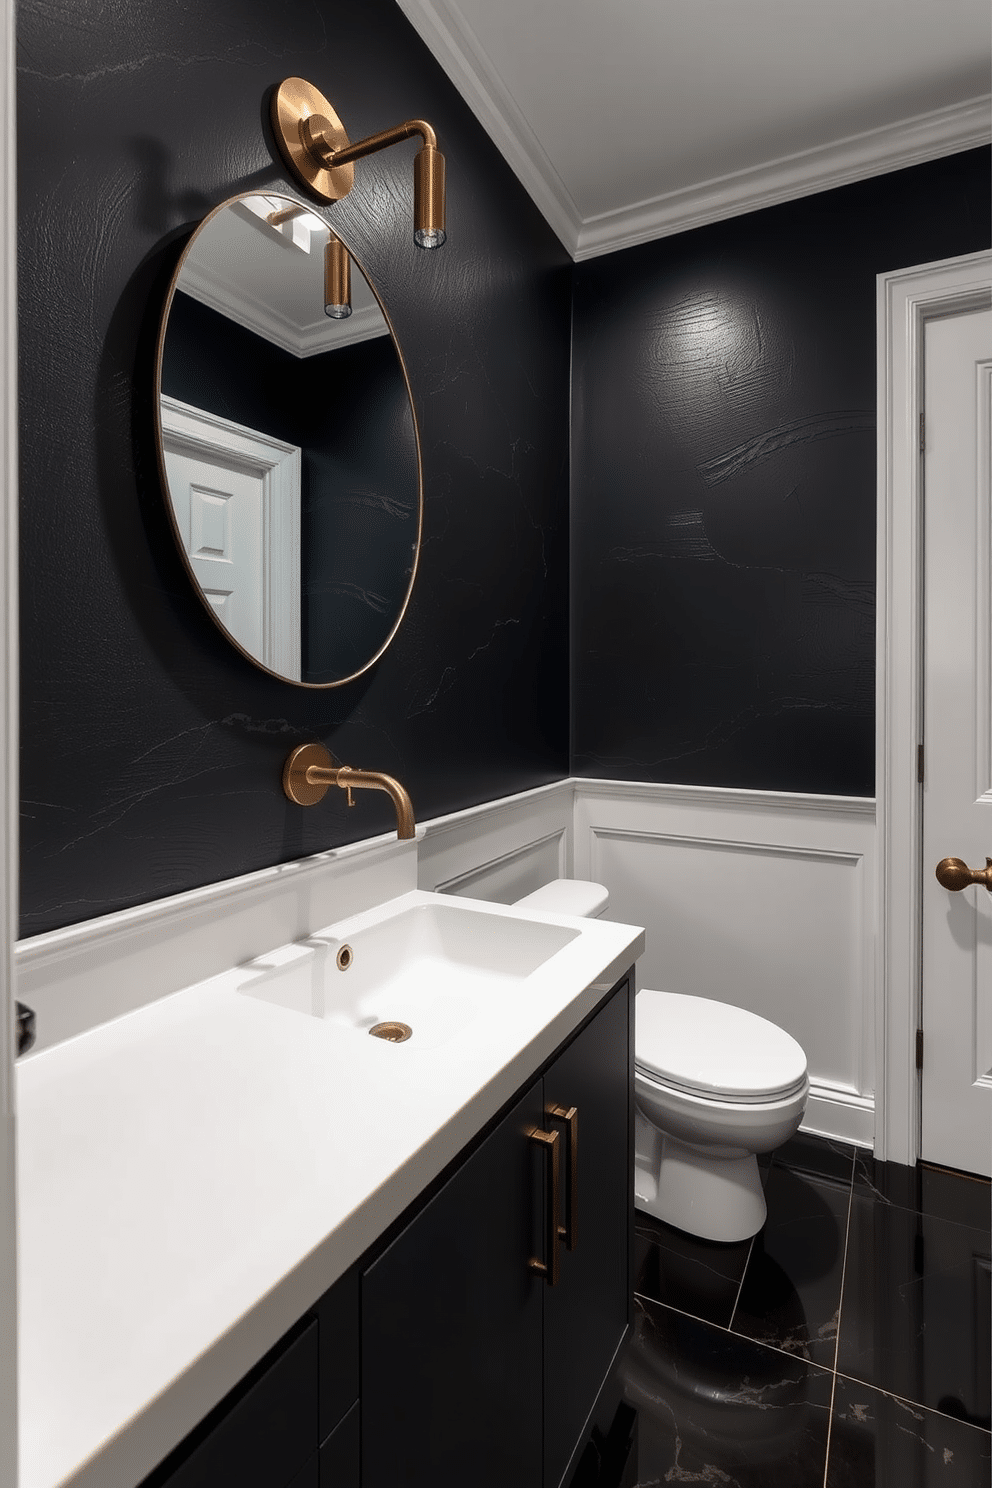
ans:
(219, 294)
(464, 59)
(874, 153)
(906, 142)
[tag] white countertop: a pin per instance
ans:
(194, 1175)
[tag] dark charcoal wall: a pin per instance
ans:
(723, 519)
(151, 750)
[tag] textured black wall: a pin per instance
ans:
(151, 750)
(723, 517)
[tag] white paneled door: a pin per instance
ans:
(235, 495)
(220, 516)
(957, 788)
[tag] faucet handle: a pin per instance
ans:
(297, 781)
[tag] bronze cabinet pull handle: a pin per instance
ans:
(552, 1148)
(952, 874)
(569, 1231)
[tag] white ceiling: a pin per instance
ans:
(632, 119)
(271, 278)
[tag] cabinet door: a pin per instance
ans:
(258, 1437)
(587, 1312)
(451, 1328)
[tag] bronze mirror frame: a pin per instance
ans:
(163, 325)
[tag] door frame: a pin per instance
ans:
(905, 300)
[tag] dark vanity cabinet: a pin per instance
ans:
(471, 1344)
(475, 1366)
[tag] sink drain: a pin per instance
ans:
(394, 1033)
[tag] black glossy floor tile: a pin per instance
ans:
(915, 1318)
(790, 1297)
(945, 1195)
(697, 1276)
(887, 1183)
(719, 1409)
(876, 1439)
(823, 1157)
(958, 1197)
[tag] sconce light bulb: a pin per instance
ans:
(430, 237)
(428, 198)
(337, 279)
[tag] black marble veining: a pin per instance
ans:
(879, 1439)
(790, 1297)
(864, 1301)
(716, 1408)
(700, 1277)
(915, 1286)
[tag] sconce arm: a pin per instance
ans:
(316, 131)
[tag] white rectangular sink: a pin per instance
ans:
(431, 968)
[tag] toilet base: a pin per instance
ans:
(712, 1192)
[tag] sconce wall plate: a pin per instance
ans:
(318, 152)
(294, 101)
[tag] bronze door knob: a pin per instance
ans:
(954, 875)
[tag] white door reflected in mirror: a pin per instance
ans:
(236, 499)
(288, 445)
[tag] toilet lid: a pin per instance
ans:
(570, 896)
(711, 1048)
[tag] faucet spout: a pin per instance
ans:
(310, 771)
(347, 779)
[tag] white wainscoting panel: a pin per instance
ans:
(757, 899)
(502, 849)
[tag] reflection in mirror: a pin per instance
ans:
(288, 444)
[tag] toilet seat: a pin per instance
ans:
(712, 1049)
(570, 896)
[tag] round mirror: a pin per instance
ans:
(287, 442)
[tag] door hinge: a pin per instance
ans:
(923, 437)
(919, 764)
(919, 1048)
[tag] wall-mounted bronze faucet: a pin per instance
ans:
(310, 771)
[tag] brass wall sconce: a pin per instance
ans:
(337, 264)
(318, 152)
(337, 279)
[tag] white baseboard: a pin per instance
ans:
(842, 1114)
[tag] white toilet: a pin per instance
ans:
(714, 1085)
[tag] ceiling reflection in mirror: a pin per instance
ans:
(287, 442)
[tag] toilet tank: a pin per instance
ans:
(569, 896)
